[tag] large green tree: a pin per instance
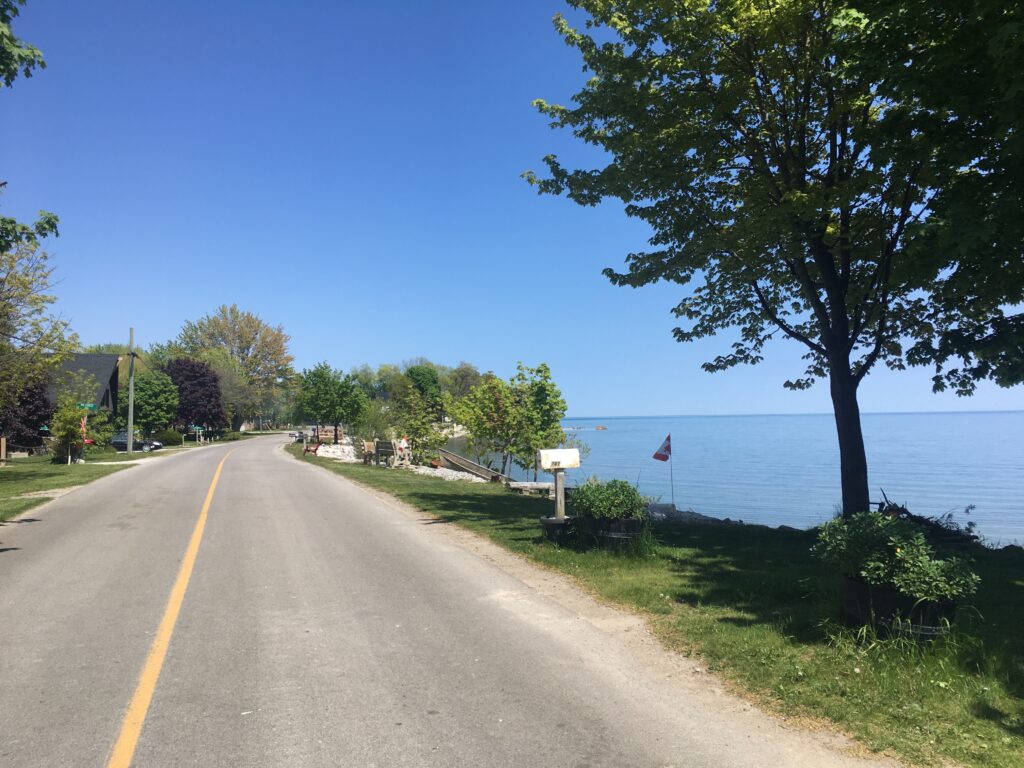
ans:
(199, 398)
(250, 357)
(33, 340)
(156, 402)
(783, 177)
(542, 409)
(330, 397)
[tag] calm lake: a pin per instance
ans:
(784, 470)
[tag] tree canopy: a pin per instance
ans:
(250, 357)
(956, 63)
(330, 397)
(786, 182)
(199, 398)
(156, 401)
(33, 340)
(20, 420)
(513, 419)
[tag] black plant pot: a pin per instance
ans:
(558, 531)
(885, 608)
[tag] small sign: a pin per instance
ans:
(88, 406)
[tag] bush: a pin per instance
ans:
(888, 551)
(168, 437)
(231, 436)
(608, 501)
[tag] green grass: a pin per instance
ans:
(758, 609)
(36, 473)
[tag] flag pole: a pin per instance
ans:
(672, 480)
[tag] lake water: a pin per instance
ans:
(784, 470)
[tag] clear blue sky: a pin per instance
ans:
(350, 170)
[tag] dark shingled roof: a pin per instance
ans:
(101, 367)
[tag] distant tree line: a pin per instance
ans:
(503, 422)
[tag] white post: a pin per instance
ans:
(560, 494)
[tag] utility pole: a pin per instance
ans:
(130, 442)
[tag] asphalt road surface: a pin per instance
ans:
(319, 624)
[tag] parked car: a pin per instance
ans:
(120, 443)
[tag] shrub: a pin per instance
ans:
(610, 500)
(168, 437)
(231, 436)
(888, 551)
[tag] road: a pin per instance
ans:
(324, 625)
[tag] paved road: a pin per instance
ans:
(324, 626)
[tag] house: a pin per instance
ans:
(104, 368)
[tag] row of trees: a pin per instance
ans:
(225, 369)
(504, 422)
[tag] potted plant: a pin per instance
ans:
(892, 576)
(609, 511)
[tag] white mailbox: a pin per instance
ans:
(559, 458)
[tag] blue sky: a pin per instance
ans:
(350, 170)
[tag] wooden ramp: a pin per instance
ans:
(462, 464)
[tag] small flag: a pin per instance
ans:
(665, 451)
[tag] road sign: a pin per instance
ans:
(88, 406)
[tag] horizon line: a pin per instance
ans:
(802, 413)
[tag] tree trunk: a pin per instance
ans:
(853, 462)
(336, 425)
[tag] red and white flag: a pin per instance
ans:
(665, 451)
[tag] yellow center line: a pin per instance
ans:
(131, 727)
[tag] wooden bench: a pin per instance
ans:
(311, 448)
(384, 449)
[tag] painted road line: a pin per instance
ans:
(134, 719)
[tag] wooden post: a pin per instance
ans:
(130, 446)
(3, 451)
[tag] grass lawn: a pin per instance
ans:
(758, 609)
(36, 473)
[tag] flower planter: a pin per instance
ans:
(558, 531)
(883, 607)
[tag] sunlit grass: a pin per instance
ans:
(37, 473)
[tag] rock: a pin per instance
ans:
(447, 474)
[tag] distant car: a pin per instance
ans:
(120, 443)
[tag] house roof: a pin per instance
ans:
(102, 367)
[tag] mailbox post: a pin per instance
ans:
(557, 461)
